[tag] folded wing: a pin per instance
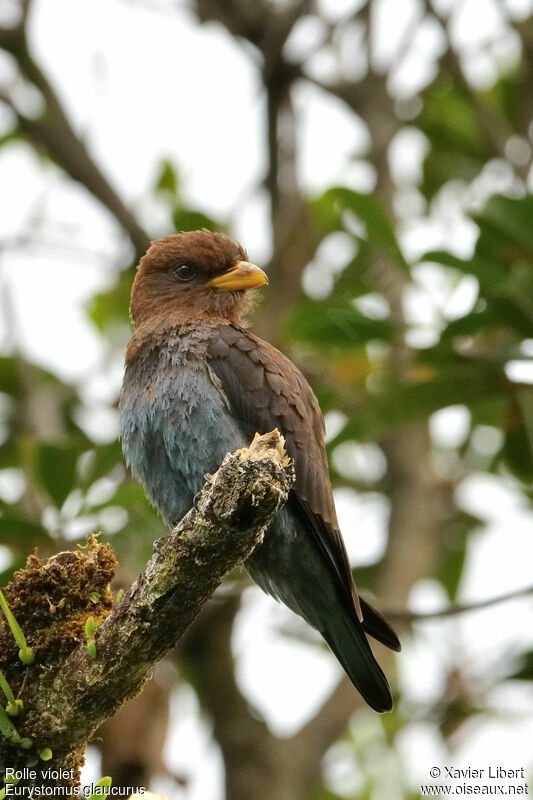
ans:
(266, 390)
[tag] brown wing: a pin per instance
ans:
(266, 390)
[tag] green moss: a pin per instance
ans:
(52, 602)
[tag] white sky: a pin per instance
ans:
(144, 85)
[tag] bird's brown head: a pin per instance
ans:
(191, 276)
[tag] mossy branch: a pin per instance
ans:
(70, 692)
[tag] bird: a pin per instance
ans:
(199, 384)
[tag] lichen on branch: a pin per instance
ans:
(68, 692)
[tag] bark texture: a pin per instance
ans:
(66, 699)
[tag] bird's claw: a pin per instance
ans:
(196, 499)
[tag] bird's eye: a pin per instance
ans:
(183, 272)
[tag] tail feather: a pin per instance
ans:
(377, 626)
(347, 639)
(290, 566)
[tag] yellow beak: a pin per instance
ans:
(242, 276)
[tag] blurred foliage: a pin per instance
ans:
(184, 218)
(57, 482)
(467, 365)
(459, 146)
(110, 309)
(525, 670)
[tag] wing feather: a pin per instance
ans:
(266, 390)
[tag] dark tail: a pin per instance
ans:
(377, 626)
(296, 569)
(347, 639)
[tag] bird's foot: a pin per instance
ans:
(196, 500)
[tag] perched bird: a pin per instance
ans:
(197, 385)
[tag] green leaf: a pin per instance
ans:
(56, 467)
(26, 654)
(508, 95)
(100, 461)
(326, 214)
(489, 410)
(185, 219)
(111, 308)
(9, 454)
(469, 325)
(12, 135)
(458, 144)
(508, 219)
(355, 279)
(449, 118)
(379, 228)
(101, 786)
(167, 180)
(396, 406)
(453, 559)
(129, 494)
(525, 670)
(517, 455)
(443, 164)
(451, 569)
(517, 450)
(14, 528)
(324, 324)
(503, 264)
(490, 273)
(9, 378)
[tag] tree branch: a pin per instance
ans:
(407, 616)
(52, 132)
(65, 702)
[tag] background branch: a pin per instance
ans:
(52, 131)
(457, 608)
